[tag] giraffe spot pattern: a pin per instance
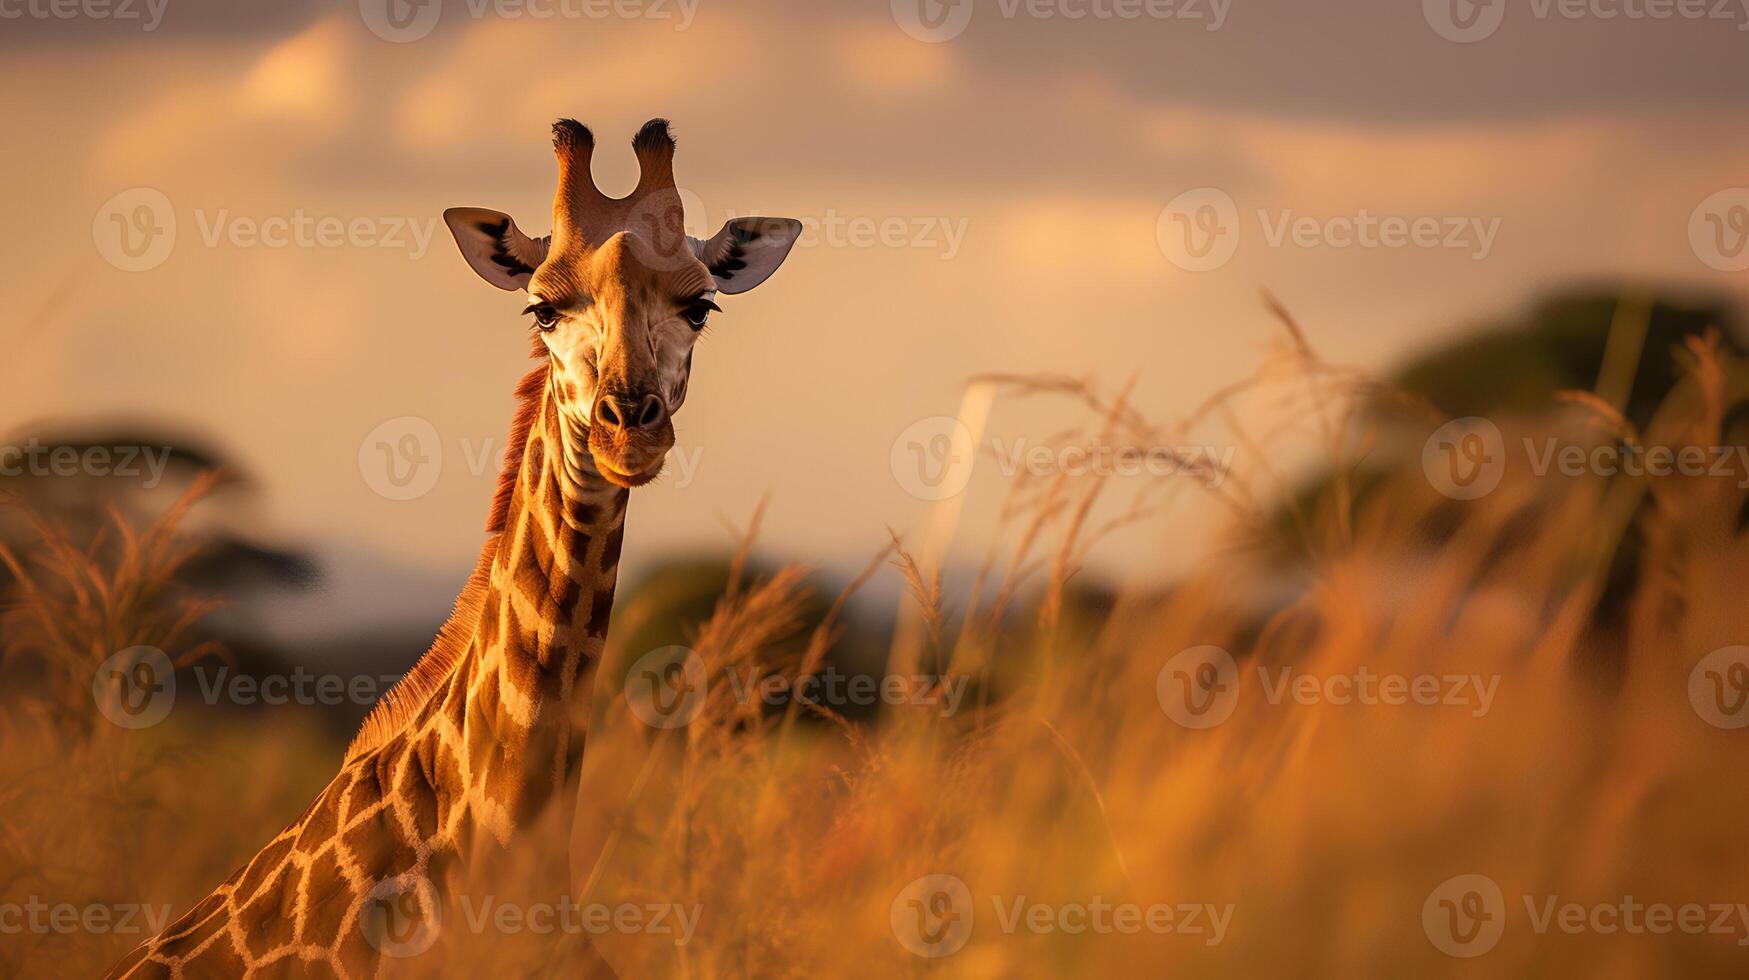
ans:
(413, 805)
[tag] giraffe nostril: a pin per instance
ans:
(606, 412)
(651, 412)
(618, 412)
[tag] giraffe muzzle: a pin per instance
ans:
(629, 437)
(629, 411)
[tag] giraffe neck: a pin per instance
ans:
(497, 745)
(542, 627)
(552, 579)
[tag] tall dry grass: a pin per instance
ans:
(96, 817)
(1319, 833)
(80, 596)
(1590, 778)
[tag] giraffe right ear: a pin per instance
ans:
(495, 247)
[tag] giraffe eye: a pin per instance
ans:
(545, 316)
(698, 313)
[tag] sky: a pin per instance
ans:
(225, 217)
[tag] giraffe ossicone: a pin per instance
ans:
(484, 734)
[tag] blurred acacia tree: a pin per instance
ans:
(1625, 347)
(112, 538)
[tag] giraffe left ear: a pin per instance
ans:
(495, 247)
(747, 251)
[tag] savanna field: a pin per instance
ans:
(1396, 723)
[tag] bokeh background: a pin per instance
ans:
(225, 247)
(986, 200)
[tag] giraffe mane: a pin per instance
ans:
(401, 703)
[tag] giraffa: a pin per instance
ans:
(486, 731)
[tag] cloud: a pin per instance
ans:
(1055, 164)
(137, 22)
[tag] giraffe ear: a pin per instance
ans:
(495, 247)
(747, 251)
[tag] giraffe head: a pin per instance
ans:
(618, 294)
